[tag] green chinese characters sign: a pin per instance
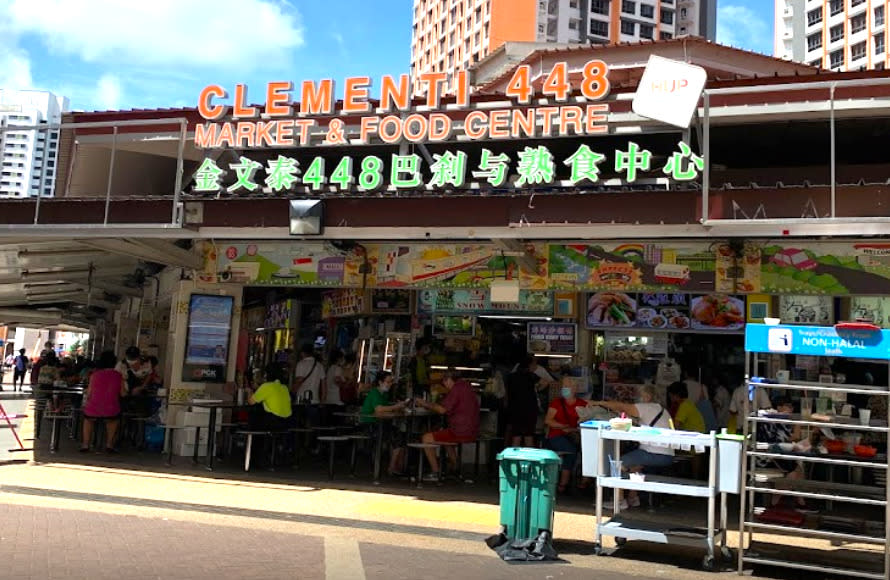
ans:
(533, 166)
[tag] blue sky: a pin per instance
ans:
(113, 54)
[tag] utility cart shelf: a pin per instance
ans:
(724, 476)
(843, 499)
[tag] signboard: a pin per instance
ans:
(573, 107)
(454, 325)
(477, 302)
(665, 311)
(390, 301)
(801, 309)
(552, 337)
(669, 91)
(207, 339)
(873, 308)
(817, 341)
(345, 302)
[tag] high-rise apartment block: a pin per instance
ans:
(28, 157)
(833, 34)
(451, 35)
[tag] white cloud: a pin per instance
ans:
(108, 92)
(741, 27)
(341, 42)
(232, 34)
(15, 69)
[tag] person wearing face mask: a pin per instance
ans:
(563, 434)
(377, 402)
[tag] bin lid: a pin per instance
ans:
(593, 424)
(528, 454)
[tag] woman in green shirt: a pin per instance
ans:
(377, 403)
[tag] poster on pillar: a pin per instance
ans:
(647, 267)
(290, 264)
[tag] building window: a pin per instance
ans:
(836, 32)
(666, 36)
(646, 31)
(856, 3)
(837, 6)
(628, 7)
(857, 51)
(682, 14)
(814, 41)
(647, 11)
(879, 16)
(879, 43)
(599, 28)
(573, 3)
(667, 2)
(837, 58)
(857, 24)
(667, 16)
(599, 6)
(573, 24)
(628, 27)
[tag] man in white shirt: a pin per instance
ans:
(308, 376)
(737, 405)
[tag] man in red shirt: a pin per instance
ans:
(461, 405)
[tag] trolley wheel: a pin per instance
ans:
(726, 554)
(620, 541)
(598, 549)
(708, 564)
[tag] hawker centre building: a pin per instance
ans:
(538, 177)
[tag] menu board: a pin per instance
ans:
(718, 312)
(662, 310)
(207, 339)
(806, 309)
(552, 337)
(345, 302)
(874, 308)
(390, 301)
(454, 325)
(666, 311)
(611, 310)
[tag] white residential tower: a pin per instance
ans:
(29, 158)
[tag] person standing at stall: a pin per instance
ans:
(333, 383)
(522, 404)
(419, 368)
(309, 376)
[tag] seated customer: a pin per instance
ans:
(647, 413)
(687, 417)
(270, 404)
(781, 433)
(563, 433)
(461, 405)
(102, 401)
(377, 402)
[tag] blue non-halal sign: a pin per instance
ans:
(817, 341)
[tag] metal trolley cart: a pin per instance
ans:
(724, 477)
(856, 515)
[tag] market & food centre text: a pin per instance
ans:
(399, 118)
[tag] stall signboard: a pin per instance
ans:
(546, 337)
(454, 325)
(477, 302)
(290, 264)
(817, 341)
(806, 309)
(575, 107)
(344, 302)
(873, 308)
(666, 311)
(390, 301)
(207, 338)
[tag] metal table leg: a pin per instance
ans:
(378, 452)
(211, 439)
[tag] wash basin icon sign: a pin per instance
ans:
(780, 340)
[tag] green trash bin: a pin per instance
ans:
(528, 491)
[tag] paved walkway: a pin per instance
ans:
(115, 519)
